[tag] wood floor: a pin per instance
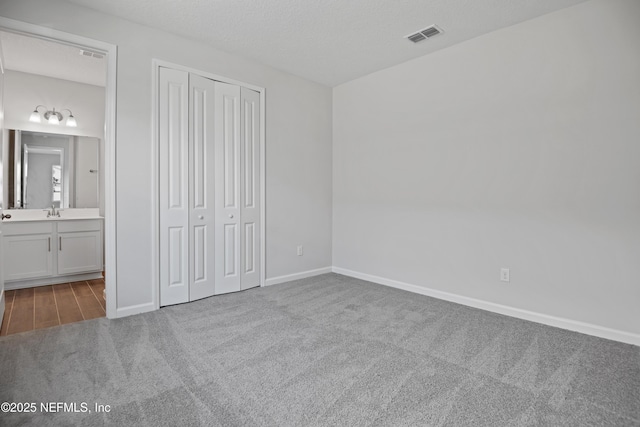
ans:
(53, 305)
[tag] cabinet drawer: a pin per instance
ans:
(21, 228)
(79, 225)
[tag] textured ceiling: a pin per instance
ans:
(38, 56)
(328, 41)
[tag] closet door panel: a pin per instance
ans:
(199, 260)
(174, 183)
(250, 185)
(202, 180)
(228, 202)
(230, 243)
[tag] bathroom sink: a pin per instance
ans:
(20, 215)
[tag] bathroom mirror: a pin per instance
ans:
(52, 170)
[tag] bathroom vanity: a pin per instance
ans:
(41, 249)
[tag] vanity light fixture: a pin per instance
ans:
(53, 117)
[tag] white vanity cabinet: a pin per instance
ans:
(28, 251)
(79, 246)
(51, 251)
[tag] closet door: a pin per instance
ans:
(227, 146)
(201, 187)
(173, 135)
(250, 189)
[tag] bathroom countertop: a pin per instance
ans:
(27, 215)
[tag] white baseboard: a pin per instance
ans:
(297, 276)
(143, 308)
(135, 309)
(558, 322)
(32, 283)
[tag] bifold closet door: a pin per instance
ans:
(227, 130)
(187, 189)
(201, 187)
(209, 137)
(250, 185)
(173, 136)
(237, 188)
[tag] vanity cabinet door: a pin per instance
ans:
(28, 256)
(79, 252)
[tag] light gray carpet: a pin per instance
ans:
(328, 350)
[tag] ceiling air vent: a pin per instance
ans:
(424, 34)
(417, 37)
(91, 54)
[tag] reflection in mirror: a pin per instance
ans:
(40, 190)
(52, 170)
(56, 175)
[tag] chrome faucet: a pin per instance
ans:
(53, 211)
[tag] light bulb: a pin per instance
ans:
(53, 119)
(35, 117)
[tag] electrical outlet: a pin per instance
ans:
(300, 250)
(504, 274)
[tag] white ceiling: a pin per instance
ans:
(328, 41)
(38, 56)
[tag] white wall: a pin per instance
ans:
(518, 149)
(298, 132)
(24, 91)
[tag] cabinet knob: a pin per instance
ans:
(230, 215)
(7, 216)
(200, 216)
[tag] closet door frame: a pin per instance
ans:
(155, 194)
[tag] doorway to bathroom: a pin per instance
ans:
(70, 80)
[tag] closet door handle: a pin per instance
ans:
(49, 238)
(60, 240)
